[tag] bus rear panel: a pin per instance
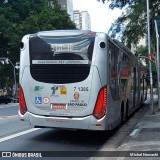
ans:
(63, 80)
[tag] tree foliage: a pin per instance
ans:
(20, 17)
(142, 51)
(131, 26)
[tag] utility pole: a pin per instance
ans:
(157, 26)
(150, 63)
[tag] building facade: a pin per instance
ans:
(86, 20)
(82, 20)
(77, 19)
(66, 5)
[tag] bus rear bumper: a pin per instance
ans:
(86, 123)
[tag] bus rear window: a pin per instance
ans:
(47, 50)
(60, 60)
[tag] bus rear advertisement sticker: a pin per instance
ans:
(46, 100)
(63, 90)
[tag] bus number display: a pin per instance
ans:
(85, 89)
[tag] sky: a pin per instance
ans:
(101, 16)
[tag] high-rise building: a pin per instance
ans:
(77, 18)
(82, 20)
(67, 5)
(86, 20)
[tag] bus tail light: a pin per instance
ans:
(100, 107)
(22, 102)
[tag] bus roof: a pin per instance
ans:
(62, 33)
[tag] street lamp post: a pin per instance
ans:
(150, 63)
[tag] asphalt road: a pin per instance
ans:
(10, 109)
(15, 136)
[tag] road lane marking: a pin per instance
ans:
(11, 116)
(134, 132)
(18, 134)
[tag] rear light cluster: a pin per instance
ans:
(101, 103)
(22, 102)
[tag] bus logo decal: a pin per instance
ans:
(54, 89)
(38, 100)
(63, 90)
(76, 95)
(46, 100)
(38, 88)
(77, 104)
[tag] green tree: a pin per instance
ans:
(131, 26)
(142, 50)
(21, 17)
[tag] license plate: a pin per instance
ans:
(58, 106)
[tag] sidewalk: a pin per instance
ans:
(144, 137)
